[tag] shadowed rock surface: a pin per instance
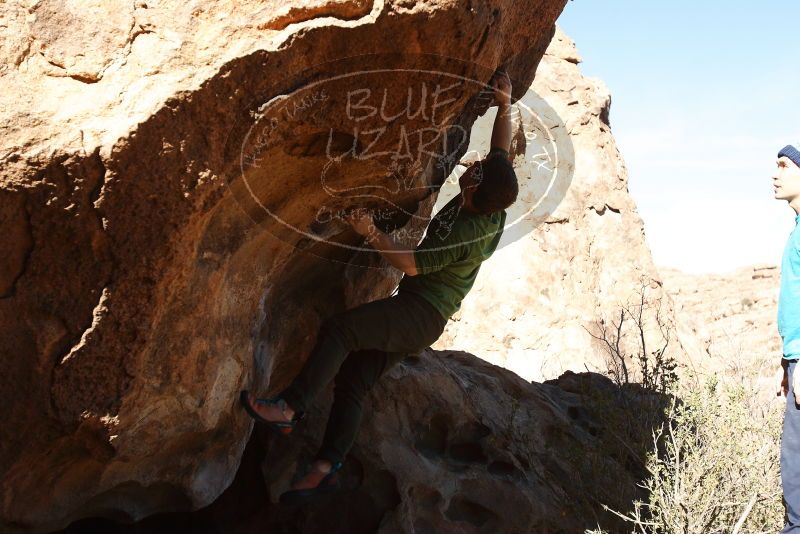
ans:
(449, 443)
(143, 282)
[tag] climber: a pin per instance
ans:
(357, 346)
(786, 182)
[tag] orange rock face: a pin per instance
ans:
(164, 245)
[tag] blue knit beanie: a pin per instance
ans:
(792, 153)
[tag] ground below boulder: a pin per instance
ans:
(449, 443)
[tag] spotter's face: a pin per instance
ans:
(786, 180)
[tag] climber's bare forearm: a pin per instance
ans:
(393, 252)
(501, 133)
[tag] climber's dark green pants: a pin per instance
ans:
(356, 347)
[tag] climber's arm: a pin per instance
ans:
(395, 253)
(442, 245)
(501, 132)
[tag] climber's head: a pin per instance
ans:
(489, 185)
(786, 179)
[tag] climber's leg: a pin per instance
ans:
(358, 374)
(401, 323)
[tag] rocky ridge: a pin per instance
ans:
(733, 318)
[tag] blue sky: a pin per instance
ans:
(703, 95)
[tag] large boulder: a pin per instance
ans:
(164, 171)
(449, 443)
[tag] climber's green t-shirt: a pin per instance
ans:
(450, 255)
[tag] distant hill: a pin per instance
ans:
(733, 317)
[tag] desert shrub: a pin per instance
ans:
(710, 449)
(714, 466)
(632, 353)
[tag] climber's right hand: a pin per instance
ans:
(361, 221)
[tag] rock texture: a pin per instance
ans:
(449, 444)
(534, 301)
(733, 317)
(161, 241)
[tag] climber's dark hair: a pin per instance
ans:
(498, 187)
